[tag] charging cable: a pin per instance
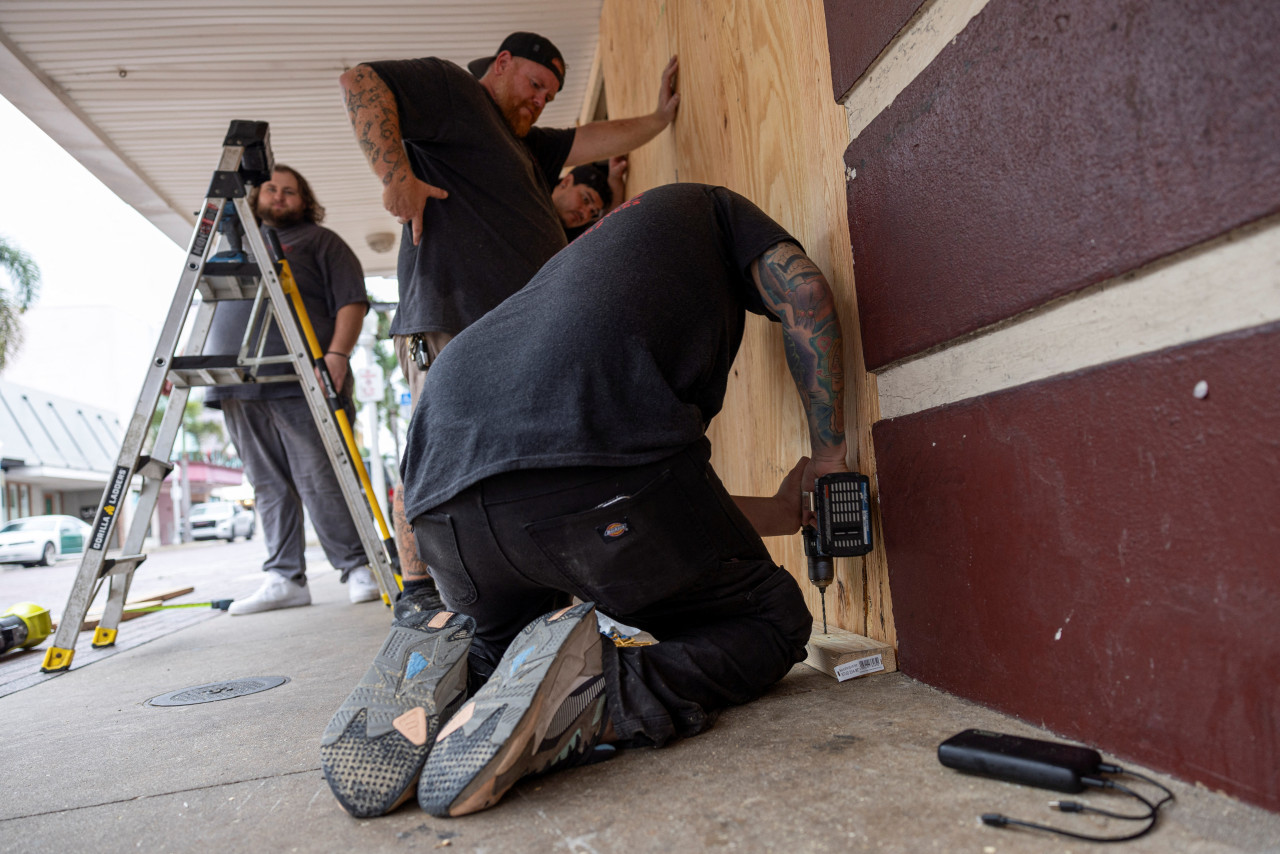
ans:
(992, 819)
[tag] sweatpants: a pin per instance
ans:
(285, 460)
(661, 547)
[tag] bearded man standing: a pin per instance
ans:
(271, 424)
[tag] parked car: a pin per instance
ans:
(41, 540)
(221, 520)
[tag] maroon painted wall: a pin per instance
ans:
(1052, 146)
(857, 31)
(1100, 552)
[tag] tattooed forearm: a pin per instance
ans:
(796, 291)
(376, 121)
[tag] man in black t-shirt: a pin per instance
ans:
(464, 169)
(560, 451)
(271, 423)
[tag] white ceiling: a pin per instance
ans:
(141, 91)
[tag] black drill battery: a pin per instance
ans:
(842, 505)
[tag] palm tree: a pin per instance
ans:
(24, 281)
(194, 423)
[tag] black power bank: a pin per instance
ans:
(1030, 761)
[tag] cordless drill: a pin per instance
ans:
(24, 625)
(842, 527)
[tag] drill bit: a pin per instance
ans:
(821, 569)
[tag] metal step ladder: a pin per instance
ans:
(246, 162)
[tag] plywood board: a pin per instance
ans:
(756, 115)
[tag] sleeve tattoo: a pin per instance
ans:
(796, 291)
(376, 121)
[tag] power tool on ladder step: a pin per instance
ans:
(240, 270)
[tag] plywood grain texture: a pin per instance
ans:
(756, 115)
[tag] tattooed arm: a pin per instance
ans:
(796, 291)
(376, 121)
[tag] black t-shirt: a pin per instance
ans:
(498, 225)
(616, 354)
(329, 276)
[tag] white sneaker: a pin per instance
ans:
(361, 586)
(276, 592)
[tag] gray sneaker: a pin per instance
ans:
(276, 592)
(373, 749)
(543, 709)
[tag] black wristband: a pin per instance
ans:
(346, 356)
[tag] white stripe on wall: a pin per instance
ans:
(934, 26)
(1227, 284)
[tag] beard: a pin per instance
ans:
(518, 121)
(283, 219)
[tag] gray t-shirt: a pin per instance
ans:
(329, 276)
(617, 353)
(498, 225)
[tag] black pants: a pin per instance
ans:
(661, 547)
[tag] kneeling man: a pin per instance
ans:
(559, 451)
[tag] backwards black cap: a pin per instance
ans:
(595, 176)
(529, 46)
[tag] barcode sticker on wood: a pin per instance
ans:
(860, 667)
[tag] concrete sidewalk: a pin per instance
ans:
(815, 765)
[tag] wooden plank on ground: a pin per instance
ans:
(846, 655)
(151, 600)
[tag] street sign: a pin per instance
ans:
(369, 384)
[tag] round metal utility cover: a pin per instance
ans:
(218, 691)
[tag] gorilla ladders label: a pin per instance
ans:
(108, 513)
